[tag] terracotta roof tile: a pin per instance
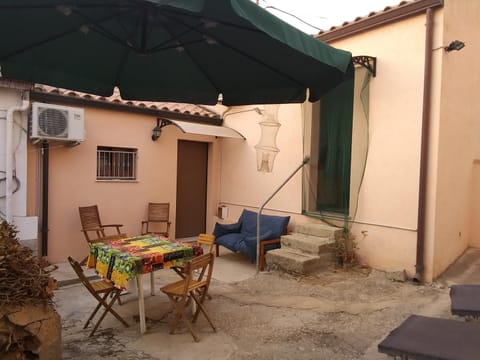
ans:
(372, 13)
(182, 108)
(389, 14)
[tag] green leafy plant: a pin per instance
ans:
(345, 247)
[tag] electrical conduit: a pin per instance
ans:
(9, 154)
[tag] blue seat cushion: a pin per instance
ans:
(252, 240)
(231, 241)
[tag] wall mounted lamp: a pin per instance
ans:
(157, 130)
(454, 45)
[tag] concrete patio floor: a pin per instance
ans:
(339, 314)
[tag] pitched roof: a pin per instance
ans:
(180, 111)
(375, 19)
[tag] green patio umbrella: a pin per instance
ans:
(192, 51)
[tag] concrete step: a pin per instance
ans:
(297, 262)
(314, 245)
(319, 229)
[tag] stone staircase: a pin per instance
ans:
(310, 248)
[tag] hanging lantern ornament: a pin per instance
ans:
(267, 148)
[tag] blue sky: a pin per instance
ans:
(322, 14)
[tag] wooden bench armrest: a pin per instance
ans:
(263, 243)
(262, 251)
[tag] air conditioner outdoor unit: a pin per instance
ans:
(55, 122)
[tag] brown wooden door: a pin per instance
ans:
(191, 188)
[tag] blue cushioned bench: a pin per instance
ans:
(242, 236)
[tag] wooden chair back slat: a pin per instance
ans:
(158, 211)
(90, 217)
(208, 240)
(157, 219)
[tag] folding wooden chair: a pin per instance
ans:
(96, 289)
(91, 224)
(203, 239)
(158, 217)
(90, 220)
(208, 240)
(193, 286)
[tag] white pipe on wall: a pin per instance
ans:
(9, 154)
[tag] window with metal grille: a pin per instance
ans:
(115, 163)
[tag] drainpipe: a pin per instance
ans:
(9, 154)
(45, 157)
(422, 194)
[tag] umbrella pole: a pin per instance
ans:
(305, 161)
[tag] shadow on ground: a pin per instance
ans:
(335, 315)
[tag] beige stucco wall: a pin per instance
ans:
(242, 186)
(386, 220)
(474, 186)
(72, 178)
(385, 223)
(387, 210)
(459, 145)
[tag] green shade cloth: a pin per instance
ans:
(336, 113)
(192, 51)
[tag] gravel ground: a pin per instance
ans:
(338, 314)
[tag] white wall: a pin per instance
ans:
(26, 226)
(12, 98)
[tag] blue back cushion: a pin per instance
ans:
(222, 229)
(276, 224)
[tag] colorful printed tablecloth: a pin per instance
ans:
(122, 259)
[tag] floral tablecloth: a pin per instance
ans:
(121, 260)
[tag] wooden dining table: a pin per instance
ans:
(122, 260)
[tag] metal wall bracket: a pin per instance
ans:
(369, 62)
(164, 122)
(157, 130)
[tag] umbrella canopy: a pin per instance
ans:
(192, 51)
